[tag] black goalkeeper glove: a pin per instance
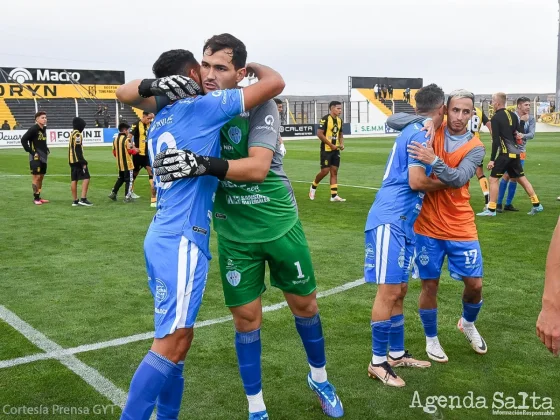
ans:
(174, 87)
(172, 164)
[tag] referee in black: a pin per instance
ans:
(506, 150)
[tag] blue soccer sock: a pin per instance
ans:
(147, 383)
(471, 310)
(311, 333)
(502, 191)
(396, 336)
(429, 321)
(248, 348)
(379, 340)
(511, 192)
(169, 400)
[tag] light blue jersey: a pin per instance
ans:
(184, 206)
(396, 204)
(176, 245)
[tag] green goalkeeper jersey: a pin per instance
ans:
(251, 212)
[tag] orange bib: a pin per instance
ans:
(447, 214)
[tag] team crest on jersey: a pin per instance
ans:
(233, 277)
(401, 258)
(234, 134)
(161, 291)
(423, 257)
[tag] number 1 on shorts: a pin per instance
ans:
(300, 273)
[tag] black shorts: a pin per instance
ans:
(509, 163)
(140, 162)
(78, 172)
(329, 159)
(37, 167)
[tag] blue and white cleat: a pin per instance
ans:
(487, 213)
(536, 210)
(326, 392)
(261, 415)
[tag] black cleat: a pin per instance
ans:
(509, 207)
(113, 196)
(499, 208)
(85, 202)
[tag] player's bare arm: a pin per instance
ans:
(548, 323)
(418, 180)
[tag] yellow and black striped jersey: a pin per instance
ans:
(332, 126)
(139, 131)
(121, 146)
(75, 148)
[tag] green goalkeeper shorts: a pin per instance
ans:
(242, 267)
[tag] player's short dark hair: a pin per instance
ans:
(334, 103)
(174, 62)
(429, 98)
(146, 113)
(522, 99)
(278, 101)
(228, 41)
(124, 126)
(39, 113)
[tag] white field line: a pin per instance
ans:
(58, 352)
(101, 384)
(114, 176)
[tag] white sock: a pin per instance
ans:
(431, 340)
(319, 375)
(467, 324)
(396, 354)
(256, 402)
(377, 360)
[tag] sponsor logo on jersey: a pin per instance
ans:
(199, 230)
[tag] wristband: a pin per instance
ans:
(218, 167)
(434, 162)
(426, 120)
(144, 88)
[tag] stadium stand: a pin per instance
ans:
(61, 111)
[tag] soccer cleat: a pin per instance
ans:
(487, 213)
(509, 207)
(338, 198)
(261, 415)
(485, 208)
(154, 204)
(43, 201)
(37, 202)
(128, 199)
(85, 202)
(471, 333)
(75, 203)
(326, 392)
(499, 208)
(435, 351)
(113, 196)
(536, 210)
(406, 360)
(133, 195)
(384, 372)
(312, 192)
(557, 198)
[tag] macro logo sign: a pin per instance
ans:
(20, 75)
